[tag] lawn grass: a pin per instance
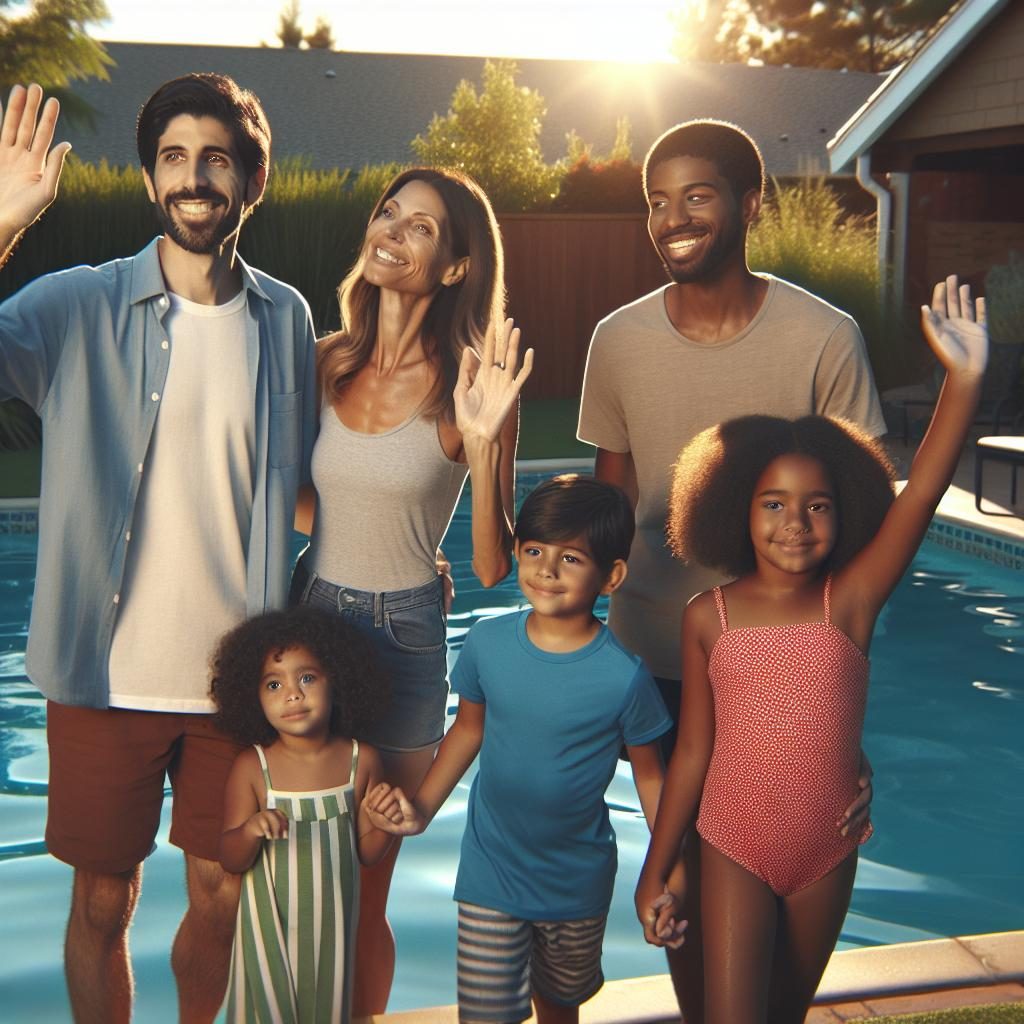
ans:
(1005, 1013)
(19, 474)
(547, 430)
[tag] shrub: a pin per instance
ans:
(494, 135)
(805, 235)
(601, 186)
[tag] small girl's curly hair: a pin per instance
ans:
(358, 689)
(715, 476)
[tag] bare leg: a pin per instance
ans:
(686, 964)
(740, 915)
(202, 948)
(375, 942)
(96, 960)
(809, 925)
(552, 1013)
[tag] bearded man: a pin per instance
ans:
(177, 393)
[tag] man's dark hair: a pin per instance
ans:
(206, 95)
(571, 506)
(727, 146)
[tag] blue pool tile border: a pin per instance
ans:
(22, 517)
(992, 547)
(19, 516)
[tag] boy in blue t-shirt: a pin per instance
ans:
(547, 697)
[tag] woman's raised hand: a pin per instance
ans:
(488, 384)
(29, 171)
(954, 325)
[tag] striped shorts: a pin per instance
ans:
(502, 960)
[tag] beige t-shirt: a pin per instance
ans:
(649, 390)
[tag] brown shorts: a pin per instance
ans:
(107, 771)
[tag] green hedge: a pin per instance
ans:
(310, 224)
(306, 232)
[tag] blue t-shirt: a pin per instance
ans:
(538, 842)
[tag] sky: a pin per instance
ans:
(632, 30)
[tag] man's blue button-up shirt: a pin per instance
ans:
(87, 349)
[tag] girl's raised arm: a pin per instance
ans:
(955, 328)
(684, 779)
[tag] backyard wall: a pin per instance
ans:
(961, 223)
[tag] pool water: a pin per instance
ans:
(944, 728)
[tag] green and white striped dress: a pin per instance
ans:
(295, 933)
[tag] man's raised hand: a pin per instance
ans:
(29, 169)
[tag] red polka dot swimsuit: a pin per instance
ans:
(789, 709)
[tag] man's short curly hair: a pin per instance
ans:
(721, 143)
(358, 689)
(715, 476)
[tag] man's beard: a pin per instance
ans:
(720, 252)
(205, 240)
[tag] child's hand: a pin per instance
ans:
(268, 824)
(655, 908)
(389, 810)
(955, 328)
(668, 925)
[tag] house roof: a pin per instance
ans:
(905, 85)
(349, 109)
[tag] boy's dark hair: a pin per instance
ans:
(206, 95)
(726, 145)
(358, 689)
(570, 506)
(715, 476)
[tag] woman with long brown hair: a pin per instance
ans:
(420, 387)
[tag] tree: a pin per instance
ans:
(49, 44)
(322, 36)
(862, 35)
(289, 31)
(494, 136)
(716, 31)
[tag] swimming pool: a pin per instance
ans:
(944, 728)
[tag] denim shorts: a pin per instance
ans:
(406, 629)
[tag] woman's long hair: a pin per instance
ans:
(460, 315)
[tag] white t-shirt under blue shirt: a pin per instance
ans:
(539, 844)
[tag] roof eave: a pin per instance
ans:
(907, 82)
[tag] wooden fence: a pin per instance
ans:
(564, 273)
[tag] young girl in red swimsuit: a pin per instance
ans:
(775, 672)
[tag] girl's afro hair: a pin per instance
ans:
(359, 691)
(715, 475)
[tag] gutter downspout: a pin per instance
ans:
(883, 223)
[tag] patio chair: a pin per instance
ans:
(1006, 449)
(1002, 397)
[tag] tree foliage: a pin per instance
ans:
(862, 35)
(291, 35)
(289, 31)
(494, 135)
(322, 36)
(49, 44)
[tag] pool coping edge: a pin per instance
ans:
(852, 975)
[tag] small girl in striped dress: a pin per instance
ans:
(297, 686)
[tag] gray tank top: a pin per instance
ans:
(384, 502)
